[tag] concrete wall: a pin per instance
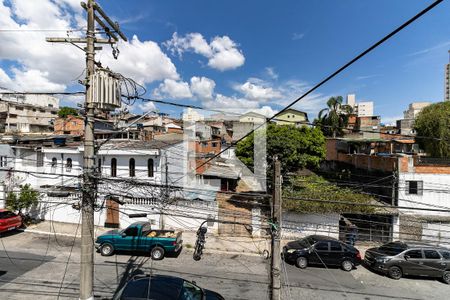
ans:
(300, 225)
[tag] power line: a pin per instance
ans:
(345, 66)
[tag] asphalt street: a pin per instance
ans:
(36, 266)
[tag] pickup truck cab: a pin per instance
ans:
(140, 237)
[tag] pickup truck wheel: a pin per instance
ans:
(157, 253)
(395, 272)
(107, 249)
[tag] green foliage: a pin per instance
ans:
(317, 188)
(27, 198)
(334, 119)
(66, 111)
(295, 147)
(434, 122)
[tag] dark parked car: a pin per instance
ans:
(397, 259)
(9, 220)
(159, 287)
(321, 250)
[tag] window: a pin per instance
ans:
(445, 254)
(40, 159)
(335, 246)
(132, 167)
(53, 165)
(113, 167)
(132, 231)
(50, 105)
(321, 246)
(3, 161)
(191, 291)
(19, 108)
(414, 254)
(150, 167)
(414, 187)
(100, 165)
(214, 144)
(69, 165)
(431, 254)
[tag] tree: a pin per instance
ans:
(27, 198)
(67, 111)
(433, 123)
(317, 188)
(333, 119)
(296, 147)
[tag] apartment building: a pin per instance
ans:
(27, 113)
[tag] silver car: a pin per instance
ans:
(397, 259)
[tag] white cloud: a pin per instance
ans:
(142, 61)
(293, 89)
(265, 111)
(271, 73)
(257, 92)
(147, 106)
(392, 120)
(222, 52)
(59, 65)
(29, 80)
(231, 104)
(174, 89)
(202, 87)
(297, 36)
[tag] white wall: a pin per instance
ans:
(297, 225)
(184, 215)
(435, 187)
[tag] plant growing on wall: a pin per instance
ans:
(27, 197)
(317, 188)
(67, 111)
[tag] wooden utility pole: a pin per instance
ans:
(275, 269)
(89, 190)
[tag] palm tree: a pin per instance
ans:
(334, 118)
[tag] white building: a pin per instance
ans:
(406, 125)
(27, 113)
(191, 115)
(361, 109)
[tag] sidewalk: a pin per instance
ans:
(214, 244)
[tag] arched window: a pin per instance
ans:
(100, 165)
(68, 165)
(132, 166)
(53, 165)
(150, 167)
(113, 167)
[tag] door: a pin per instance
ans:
(336, 253)
(112, 214)
(413, 262)
(434, 265)
(128, 240)
(320, 253)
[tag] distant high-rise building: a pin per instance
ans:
(361, 109)
(447, 82)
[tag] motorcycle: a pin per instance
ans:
(200, 243)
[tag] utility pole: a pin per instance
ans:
(165, 193)
(275, 270)
(89, 190)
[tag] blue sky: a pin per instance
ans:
(246, 55)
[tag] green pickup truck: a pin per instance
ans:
(140, 237)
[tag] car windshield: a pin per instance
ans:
(191, 292)
(392, 248)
